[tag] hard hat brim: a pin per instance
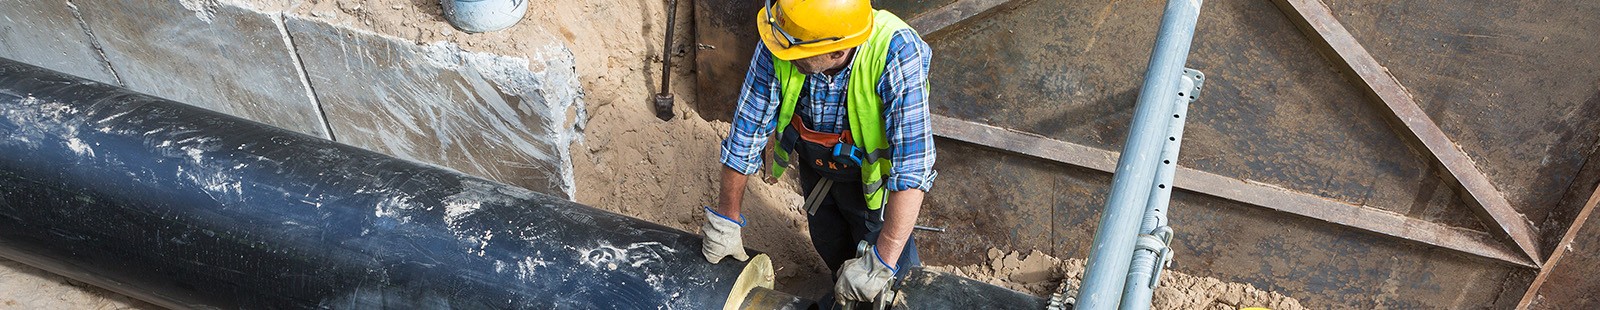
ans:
(775, 41)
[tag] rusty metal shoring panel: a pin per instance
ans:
(1408, 118)
(937, 20)
(1114, 241)
(1241, 191)
(1561, 251)
(1250, 193)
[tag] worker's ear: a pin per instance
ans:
(837, 55)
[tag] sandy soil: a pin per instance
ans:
(629, 161)
(24, 287)
(1041, 275)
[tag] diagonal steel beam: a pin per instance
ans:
(1243, 191)
(1560, 252)
(1341, 213)
(1320, 26)
(950, 14)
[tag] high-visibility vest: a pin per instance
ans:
(863, 105)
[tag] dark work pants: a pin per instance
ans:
(843, 220)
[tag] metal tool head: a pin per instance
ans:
(886, 300)
(663, 106)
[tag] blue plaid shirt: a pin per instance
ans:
(822, 108)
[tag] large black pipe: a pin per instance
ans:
(190, 208)
(927, 289)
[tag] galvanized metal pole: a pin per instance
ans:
(1114, 240)
(1151, 252)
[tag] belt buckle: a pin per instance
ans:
(846, 153)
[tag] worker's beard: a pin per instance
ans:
(809, 67)
(807, 70)
(819, 67)
(822, 63)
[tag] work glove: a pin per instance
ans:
(864, 279)
(722, 237)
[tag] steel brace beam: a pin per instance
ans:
(950, 14)
(1561, 250)
(1320, 26)
(1245, 191)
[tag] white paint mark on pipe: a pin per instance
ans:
(79, 147)
(527, 268)
(454, 210)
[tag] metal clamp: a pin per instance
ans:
(1157, 241)
(886, 298)
(1195, 76)
(1064, 298)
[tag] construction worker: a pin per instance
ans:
(843, 90)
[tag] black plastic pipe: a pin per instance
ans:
(190, 208)
(926, 289)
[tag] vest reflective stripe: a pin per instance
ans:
(863, 105)
(874, 156)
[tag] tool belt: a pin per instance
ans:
(833, 156)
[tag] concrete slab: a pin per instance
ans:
(220, 57)
(48, 34)
(483, 114)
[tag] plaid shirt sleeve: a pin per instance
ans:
(753, 120)
(904, 89)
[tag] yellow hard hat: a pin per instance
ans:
(794, 29)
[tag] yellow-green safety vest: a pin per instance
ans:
(863, 105)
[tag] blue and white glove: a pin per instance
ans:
(722, 237)
(864, 279)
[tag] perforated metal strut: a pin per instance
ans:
(1135, 186)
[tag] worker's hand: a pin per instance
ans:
(864, 279)
(722, 237)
